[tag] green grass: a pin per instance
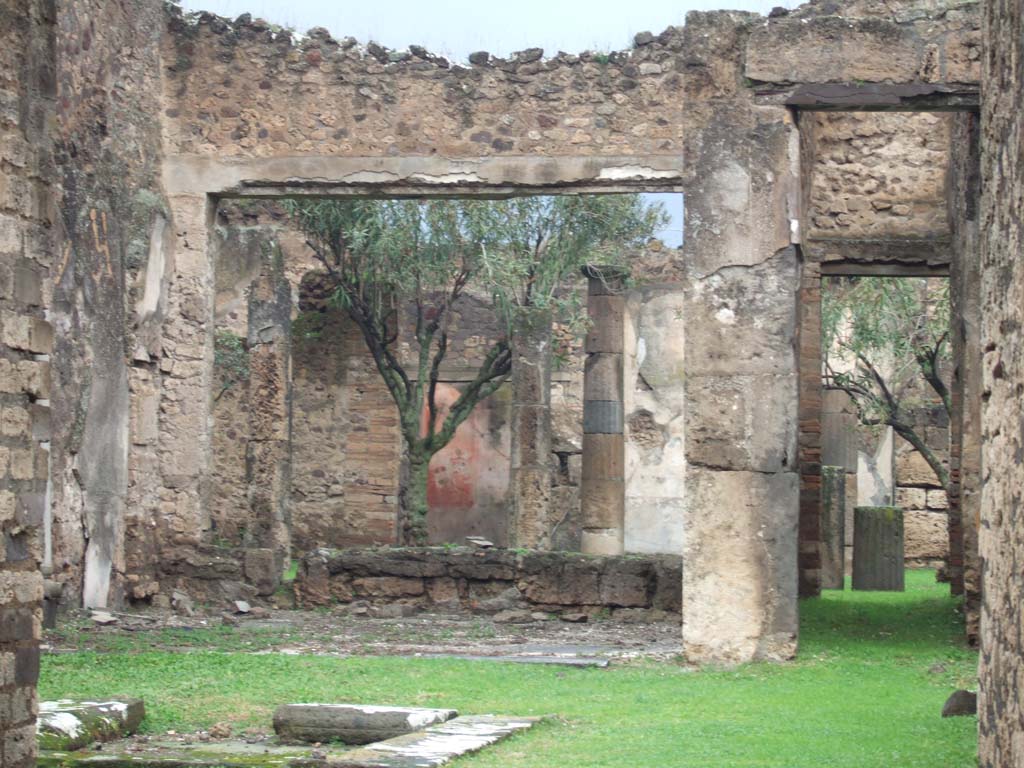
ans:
(866, 692)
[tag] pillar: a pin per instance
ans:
(878, 548)
(531, 429)
(809, 439)
(268, 461)
(833, 526)
(965, 390)
(602, 484)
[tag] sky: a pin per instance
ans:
(456, 28)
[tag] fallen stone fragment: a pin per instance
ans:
(960, 703)
(103, 618)
(437, 745)
(352, 723)
(575, 618)
(182, 603)
(512, 617)
(242, 607)
(479, 541)
(67, 724)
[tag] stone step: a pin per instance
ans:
(352, 723)
(70, 724)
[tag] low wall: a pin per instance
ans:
(467, 580)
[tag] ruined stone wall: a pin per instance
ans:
(110, 297)
(248, 111)
(1000, 713)
(26, 253)
(247, 89)
(492, 581)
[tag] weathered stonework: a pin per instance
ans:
(1001, 533)
(27, 90)
(493, 580)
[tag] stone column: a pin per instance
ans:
(531, 430)
(833, 526)
(602, 484)
(268, 463)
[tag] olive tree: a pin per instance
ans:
(383, 256)
(883, 337)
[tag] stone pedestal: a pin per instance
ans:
(531, 430)
(602, 484)
(878, 548)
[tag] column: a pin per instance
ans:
(602, 485)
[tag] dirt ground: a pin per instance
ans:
(341, 634)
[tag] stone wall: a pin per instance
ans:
(878, 175)
(1000, 708)
(460, 579)
(920, 494)
(27, 91)
(111, 308)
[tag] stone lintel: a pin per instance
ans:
(421, 175)
(880, 97)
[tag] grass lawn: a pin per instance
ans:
(866, 692)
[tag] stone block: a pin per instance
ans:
(387, 586)
(742, 422)
(69, 724)
(926, 535)
(910, 498)
(912, 469)
(262, 570)
(832, 49)
(25, 332)
(937, 500)
(352, 723)
(741, 541)
(602, 378)
(624, 590)
(606, 330)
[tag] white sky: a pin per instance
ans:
(456, 28)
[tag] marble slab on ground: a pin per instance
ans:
(433, 746)
(70, 724)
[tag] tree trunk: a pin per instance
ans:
(878, 548)
(414, 500)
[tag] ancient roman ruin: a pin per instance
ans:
(144, 153)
